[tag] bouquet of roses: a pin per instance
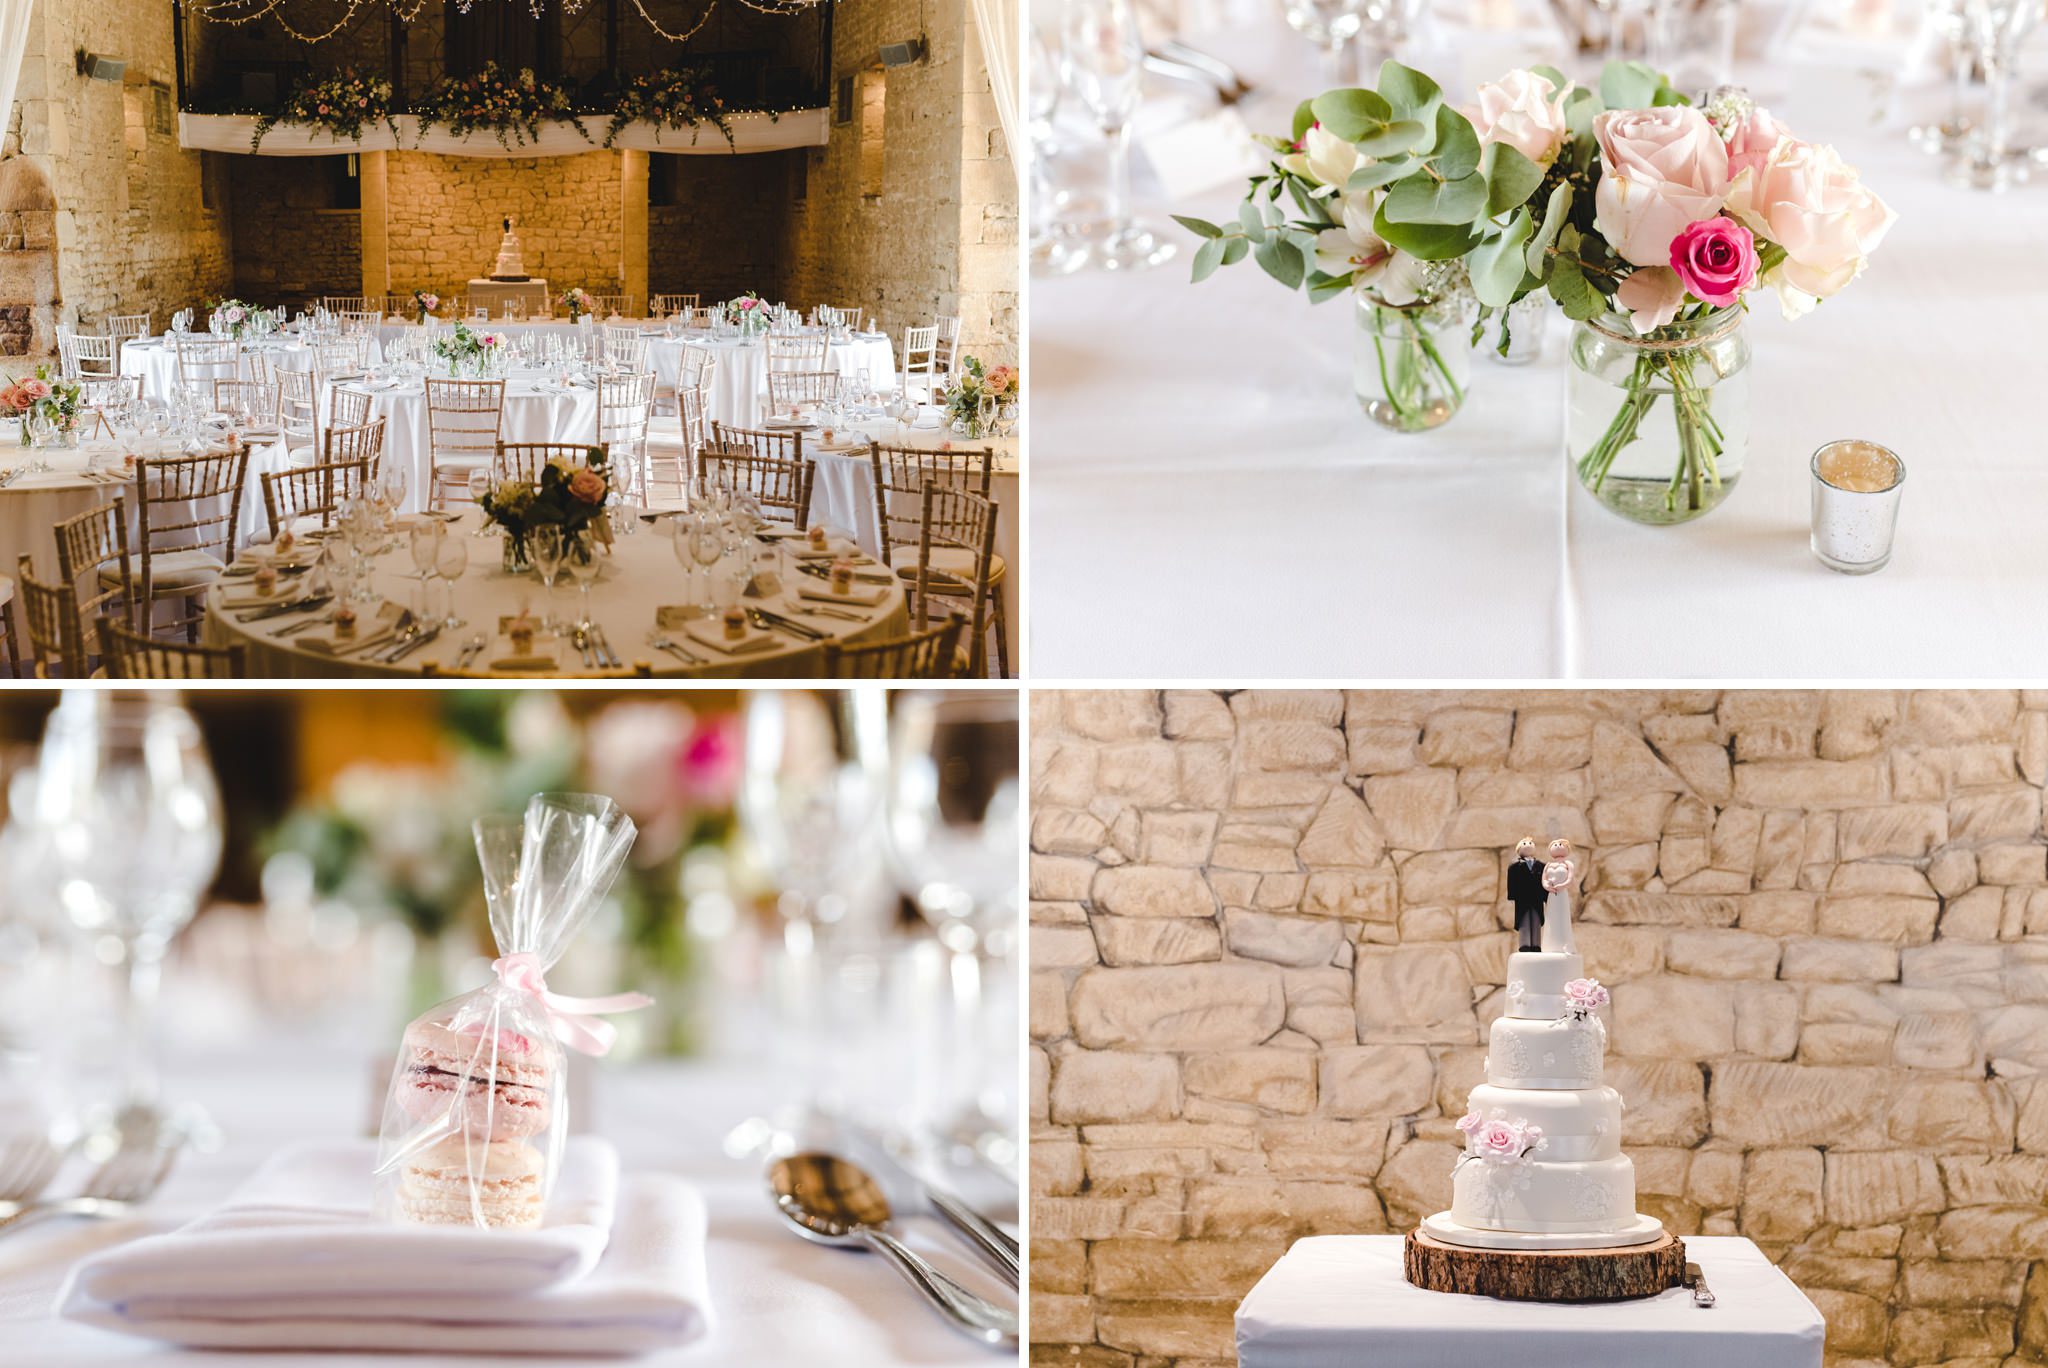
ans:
(464, 347)
(424, 303)
(748, 312)
(231, 317)
(578, 302)
(569, 496)
(45, 394)
(680, 98)
(1636, 210)
(977, 392)
(342, 105)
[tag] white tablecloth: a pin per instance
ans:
(1339, 1301)
(641, 576)
(451, 313)
(739, 385)
(156, 361)
(1198, 446)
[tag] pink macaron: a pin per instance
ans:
(502, 1084)
(467, 1182)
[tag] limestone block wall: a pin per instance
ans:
(1268, 934)
(724, 234)
(289, 245)
(445, 219)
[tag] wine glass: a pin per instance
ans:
(1331, 25)
(1995, 28)
(707, 548)
(545, 544)
(1947, 19)
(1102, 60)
(479, 486)
(422, 542)
(579, 558)
(125, 801)
(451, 559)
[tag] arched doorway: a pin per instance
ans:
(30, 300)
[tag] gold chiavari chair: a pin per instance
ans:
(933, 653)
(463, 421)
(921, 363)
(803, 352)
(203, 360)
(187, 509)
(344, 304)
(953, 520)
(784, 446)
(8, 628)
(624, 405)
(347, 355)
(789, 389)
(299, 497)
(900, 477)
(667, 305)
(696, 369)
(524, 460)
(50, 622)
(361, 322)
(347, 407)
(127, 654)
(92, 548)
(259, 395)
(357, 442)
(779, 484)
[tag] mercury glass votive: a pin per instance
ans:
(1856, 488)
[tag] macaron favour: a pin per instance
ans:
(460, 1180)
(501, 1083)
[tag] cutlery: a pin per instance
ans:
(379, 639)
(302, 605)
(842, 615)
(1697, 1281)
(1229, 83)
(132, 1176)
(604, 645)
(418, 640)
(662, 643)
(996, 1245)
(581, 642)
(834, 1202)
(297, 627)
(763, 618)
(471, 649)
(27, 1164)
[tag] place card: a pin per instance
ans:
(764, 584)
(1202, 154)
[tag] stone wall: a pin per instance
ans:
(291, 245)
(446, 215)
(1268, 934)
(725, 232)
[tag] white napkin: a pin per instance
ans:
(245, 1278)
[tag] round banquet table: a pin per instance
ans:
(641, 576)
(393, 328)
(156, 360)
(1199, 446)
(537, 409)
(739, 384)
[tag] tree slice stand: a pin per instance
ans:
(1558, 1275)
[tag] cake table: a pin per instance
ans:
(490, 294)
(1339, 1301)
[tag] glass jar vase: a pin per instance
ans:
(1412, 363)
(1657, 424)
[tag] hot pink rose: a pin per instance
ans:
(1661, 169)
(1751, 141)
(587, 485)
(1716, 258)
(1804, 198)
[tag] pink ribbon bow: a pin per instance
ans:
(574, 1019)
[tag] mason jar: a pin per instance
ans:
(1412, 363)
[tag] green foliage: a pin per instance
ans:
(1510, 179)
(1496, 264)
(1456, 154)
(1420, 199)
(1426, 241)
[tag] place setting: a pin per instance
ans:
(445, 1101)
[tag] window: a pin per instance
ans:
(162, 112)
(874, 99)
(843, 103)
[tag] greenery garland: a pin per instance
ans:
(511, 106)
(682, 97)
(342, 105)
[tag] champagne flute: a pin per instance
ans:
(451, 559)
(545, 544)
(1103, 58)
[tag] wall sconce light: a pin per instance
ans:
(98, 66)
(903, 54)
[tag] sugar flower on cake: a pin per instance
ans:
(1499, 1139)
(1584, 996)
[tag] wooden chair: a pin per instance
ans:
(778, 484)
(624, 405)
(696, 369)
(294, 496)
(667, 305)
(624, 345)
(345, 304)
(606, 305)
(785, 446)
(463, 421)
(79, 356)
(8, 629)
(357, 442)
(788, 389)
(361, 322)
(349, 355)
(347, 407)
(92, 548)
(900, 477)
(955, 521)
(933, 653)
(127, 654)
(260, 395)
(803, 352)
(203, 360)
(524, 460)
(186, 511)
(49, 614)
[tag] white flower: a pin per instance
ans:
(1325, 159)
(1374, 263)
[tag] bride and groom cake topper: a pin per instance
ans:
(1538, 887)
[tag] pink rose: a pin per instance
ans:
(1651, 294)
(13, 400)
(1526, 112)
(1661, 169)
(1585, 994)
(1804, 198)
(1499, 1140)
(1470, 1122)
(587, 485)
(1751, 141)
(1716, 258)
(33, 390)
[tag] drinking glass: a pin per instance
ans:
(579, 558)
(1947, 19)
(451, 559)
(707, 548)
(479, 486)
(1331, 25)
(1988, 160)
(125, 802)
(1102, 61)
(545, 545)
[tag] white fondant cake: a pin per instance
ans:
(511, 264)
(1543, 1167)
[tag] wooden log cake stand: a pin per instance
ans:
(1559, 1275)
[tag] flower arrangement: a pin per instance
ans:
(341, 105)
(424, 304)
(976, 392)
(571, 497)
(748, 312)
(1634, 209)
(1583, 997)
(1500, 1139)
(578, 302)
(45, 394)
(512, 106)
(232, 317)
(464, 347)
(682, 97)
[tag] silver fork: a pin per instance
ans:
(27, 1164)
(118, 1186)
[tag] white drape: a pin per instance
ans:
(13, 43)
(999, 22)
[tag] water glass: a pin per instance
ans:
(1102, 61)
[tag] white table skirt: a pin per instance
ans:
(157, 362)
(1199, 447)
(739, 384)
(1340, 1301)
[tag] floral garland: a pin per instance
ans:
(511, 106)
(342, 105)
(680, 98)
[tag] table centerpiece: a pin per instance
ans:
(569, 496)
(425, 304)
(1647, 218)
(467, 351)
(747, 313)
(45, 397)
(979, 397)
(232, 318)
(578, 301)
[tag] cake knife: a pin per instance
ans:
(1697, 1281)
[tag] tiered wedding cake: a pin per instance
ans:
(511, 265)
(1543, 1167)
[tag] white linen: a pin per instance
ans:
(1199, 448)
(739, 383)
(751, 132)
(14, 17)
(156, 360)
(1340, 1301)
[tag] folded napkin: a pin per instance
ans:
(711, 632)
(836, 548)
(857, 596)
(526, 663)
(423, 1289)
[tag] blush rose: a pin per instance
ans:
(1525, 111)
(1807, 200)
(1661, 169)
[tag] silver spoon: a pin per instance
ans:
(835, 1202)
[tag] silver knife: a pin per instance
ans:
(422, 639)
(1697, 1281)
(604, 643)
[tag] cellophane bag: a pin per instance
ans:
(477, 1110)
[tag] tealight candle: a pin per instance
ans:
(1856, 486)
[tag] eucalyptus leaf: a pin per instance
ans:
(1456, 155)
(1304, 118)
(1351, 114)
(1234, 250)
(1510, 178)
(1422, 200)
(1322, 286)
(1409, 93)
(1426, 241)
(1253, 217)
(1628, 85)
(1280, 260)
(1385, 171)
(1496, 263)
(1403, 135)
(1555, 213)
(1199, 226)
(1552, 75)
(1208, 257)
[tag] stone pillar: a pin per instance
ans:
(633, 225)
(375, 184)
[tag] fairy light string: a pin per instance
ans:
(239, 12)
